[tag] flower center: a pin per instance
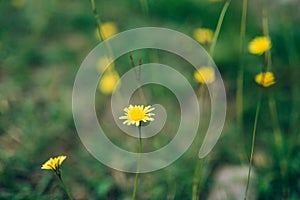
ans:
(136, 114)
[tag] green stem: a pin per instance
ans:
(144, 5)
(275, 122)
(99, 24)
(218, 28)
(196, 180)
(63, 184)
(97, 18)
(138, 165)
(138, 77)
(200, 163)
(265, 28)
(253, 143)
(201, 89)
(279, 145)
(240, 76)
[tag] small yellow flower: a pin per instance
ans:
(18, 3)
(265, 79)
(136, 114)
(108, 82)
(53, 163)
(107, 29)
(103, 62)
(205, 75)
(259, 45)
(203, 35)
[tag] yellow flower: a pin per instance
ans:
(103, 62)
(107, 29)
(108, 82)
(136, 114)
(205, 75)
(265, 79)
(203, 35)
(259, 45)
(53, 163)
(18, 3)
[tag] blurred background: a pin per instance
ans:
(42, 44)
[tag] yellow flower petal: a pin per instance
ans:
(107, 29)
(259, 45)
(135, 114)
(265, 79)
(61, 159)
(18, 3)
(203, 35)
(53, 163)
(108, 82)
(103, 63)
(205, 75)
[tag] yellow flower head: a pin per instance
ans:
(53, 163)
(265, 79)
(136, 114)
(18, 3)
(107, 29)
(259, 45)
(205, 75)
(103, 62)
(108, 82)
(203, 35)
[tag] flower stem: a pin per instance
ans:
(278, 140)
(138, 77)
(196, 179)
(279, 144)
(218, 28)
(253, 143)
(63, 185)
(99, 24)
(138, 165)
(240, 76)
(97, 18)
(144, 5)
(265, 28)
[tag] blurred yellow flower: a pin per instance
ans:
(18, 3)
(205, 75)
(259, 45)
(108, 82)
(203, 35)
(136, 114)
(265, 79)
(53, 163)
(107, 29)
(103, 62)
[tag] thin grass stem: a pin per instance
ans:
(253, 142)
(138, 77)
(196, 180)
(64, 185)
(201, 94)
(138, 164)
(278, 140)
(99, 24)
(97, 18)
(144, 5)
(240, 76)
(218, 28)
